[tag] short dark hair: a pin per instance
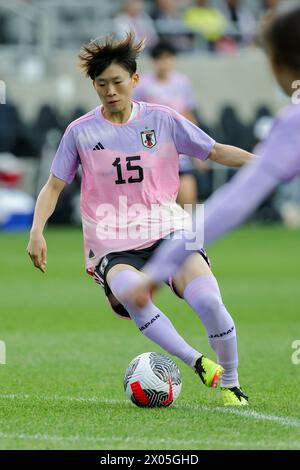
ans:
(161, 48)
(99, 54)
(281, 34)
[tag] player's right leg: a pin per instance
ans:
(154, 324)
(196, 283)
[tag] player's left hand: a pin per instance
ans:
(37, 250)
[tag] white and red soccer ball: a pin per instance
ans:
(152, 380)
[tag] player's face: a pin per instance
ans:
(115, 87)
(164, 65)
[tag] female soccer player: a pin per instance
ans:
(279, 159)
(129, 152)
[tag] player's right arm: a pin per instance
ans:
(45, 206)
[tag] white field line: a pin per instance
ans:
(244, 413)
(25, 396)
(247, 413)
(123, 440)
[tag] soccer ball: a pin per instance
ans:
(152, 380)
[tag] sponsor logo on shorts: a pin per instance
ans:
(103, 265)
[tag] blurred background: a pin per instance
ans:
(62, 386)
(218, 50)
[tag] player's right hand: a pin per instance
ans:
(37, 250)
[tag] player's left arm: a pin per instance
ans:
(228, 155)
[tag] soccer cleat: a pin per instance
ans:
(209, 371)
(233, 397)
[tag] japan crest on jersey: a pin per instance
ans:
(148, 139)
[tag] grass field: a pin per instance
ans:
(62, 386)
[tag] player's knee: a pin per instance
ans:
(122, 283)
(210, 302)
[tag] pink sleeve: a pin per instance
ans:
(189, 139)
(66, 160)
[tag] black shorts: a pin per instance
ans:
(135, 258)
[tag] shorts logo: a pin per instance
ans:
(103, 265)
(91, 254)
(148, 139)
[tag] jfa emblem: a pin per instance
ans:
(148, 139)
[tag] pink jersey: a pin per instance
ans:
(129, 176)
(278, 162)
(176, 92)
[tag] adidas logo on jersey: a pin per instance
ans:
(99, 146)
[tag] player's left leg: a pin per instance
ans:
(197, 285)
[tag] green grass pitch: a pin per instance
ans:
(62, 386)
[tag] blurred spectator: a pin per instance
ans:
(233, 129)
(207, 21)
(46, 120)
(10, 127)
(170, 25)
(269, 4)
(242, 25)
(262, 123)
(68, 205)
(166, 86)
(134, 18)
(269, 210)
(3, 34)
(76, 113)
